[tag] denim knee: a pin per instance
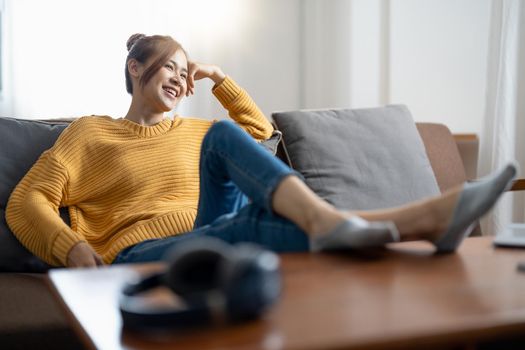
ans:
(219, 131)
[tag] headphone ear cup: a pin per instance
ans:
(195, 268)
(252, 282)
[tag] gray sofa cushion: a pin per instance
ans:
(359, 159)
(21, 143)
(272, 144)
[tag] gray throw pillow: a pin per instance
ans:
(359, 158)
(21, 144)
(272, 144)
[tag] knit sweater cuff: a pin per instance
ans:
(227, 91)
(64, 241)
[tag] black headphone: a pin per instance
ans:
(218, 282)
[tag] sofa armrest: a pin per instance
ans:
(468, 147)
(518, 185)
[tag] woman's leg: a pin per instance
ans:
(424, 219)
(444, 220)
(252, 224)
(217, 200)
(234, 167)
(418, 220)
(229, 154)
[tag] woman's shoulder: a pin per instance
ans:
(91, 123)
(93, 120)
(194, 120)
(82, 126)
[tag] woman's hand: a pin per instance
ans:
(82, 255)
(198, 71)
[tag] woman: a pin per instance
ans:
(136, 186)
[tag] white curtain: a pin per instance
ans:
(503, 134)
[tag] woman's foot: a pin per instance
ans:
(445, 220)
(475, 200)
(355, 233)
(333, 229)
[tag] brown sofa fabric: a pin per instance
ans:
(443, 154)
(468, 146)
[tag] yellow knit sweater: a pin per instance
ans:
(123, 182)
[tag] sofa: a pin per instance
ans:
(30, 316)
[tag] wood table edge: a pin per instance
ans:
(449, 339)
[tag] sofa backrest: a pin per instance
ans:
(21, 144)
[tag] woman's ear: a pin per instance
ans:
(134, 68)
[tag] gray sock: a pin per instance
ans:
(476, 199)
(356, 233)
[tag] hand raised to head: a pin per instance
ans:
(198, 71)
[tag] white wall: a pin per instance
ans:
(325, 53)
(438, 63)
(428, 54)
(66, 58)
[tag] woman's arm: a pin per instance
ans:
(236, 100)
(32, 211)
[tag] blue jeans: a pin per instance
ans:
(233, 168)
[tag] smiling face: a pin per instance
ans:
(168, 85)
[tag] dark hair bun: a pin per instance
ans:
(133, 39)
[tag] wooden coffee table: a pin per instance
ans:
(401, 297)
